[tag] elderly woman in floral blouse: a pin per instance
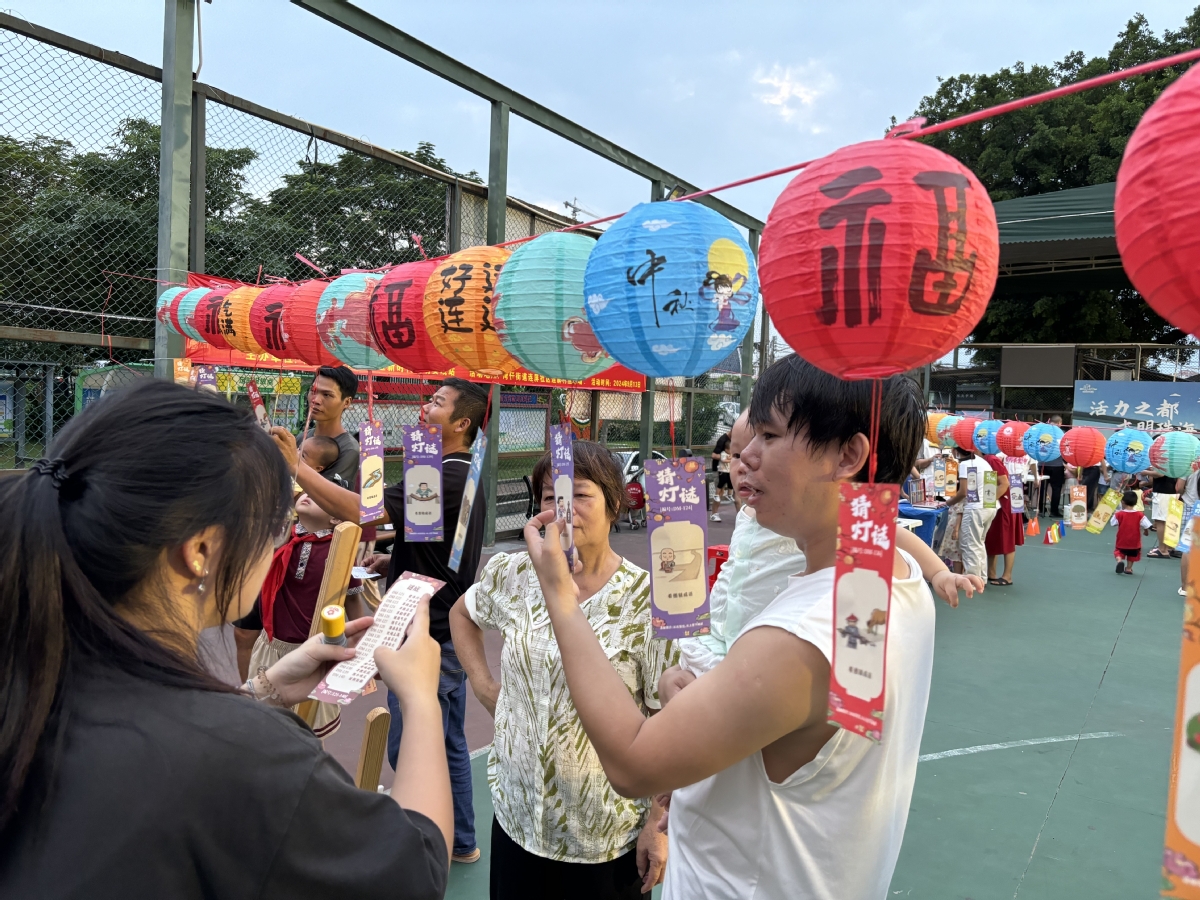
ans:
(560, 829)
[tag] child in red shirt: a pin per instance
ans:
(1131, 525)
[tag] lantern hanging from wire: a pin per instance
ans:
(540, 311)
(671, 289)
(964, 432)
(208, 317)
(1041, 441)
(266, 319)
(879, 258)
(398, 319)
(1174, 452)
(166, 309)
(186, 312)
(1082, 446)
(1010, 436)
(945, 432)
(1128, 450)
(1158, 192)
(460, 310)
(984, 436)
(931, 426)
(300, 323)
(235, 319)
(344, 321)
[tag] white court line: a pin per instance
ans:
(481, 751)
(983, 748)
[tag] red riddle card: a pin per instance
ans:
(260, 408)
(862, 595)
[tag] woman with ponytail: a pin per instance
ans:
(125, 769)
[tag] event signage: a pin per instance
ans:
(675, 498)
(422, 482)
(370, 472)
(1079, 516)
(1157, 404)
(346, 680)
(1108, 505)
(862, 596)
(562, 475)
(1174, 522)
(470, 489)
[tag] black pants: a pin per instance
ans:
(1058, 475)
(518, 874)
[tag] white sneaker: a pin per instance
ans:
(714, 518)
(1182, 592)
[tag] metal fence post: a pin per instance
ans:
(199, 196)
(48, 410)
(747, 379)
(497, 203)
(455, 240)
(19, 418)
(174, 170)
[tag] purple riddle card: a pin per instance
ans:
(562, 474)
(675, 490)
(422, 483)
(370, 472)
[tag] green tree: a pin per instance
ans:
(1065, 143)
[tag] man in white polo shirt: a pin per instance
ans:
(770, 801)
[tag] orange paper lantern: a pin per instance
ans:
(300, 323)
(398, 318)
(1158, 191)
(208, 315)
(931, 424)
(879, 258)
(235, 319)
(1010, 438)
(964, 432)
(459, 310)
(1082, 446)
(266, 319)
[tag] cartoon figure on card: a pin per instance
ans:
(851, 633)
(678, 581)
(666, 560)
(423, 494)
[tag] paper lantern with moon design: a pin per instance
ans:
(1042, 440)
(931, 424)
(398, 319)
(1158, 193)
(1010, 438)
(671, 289)
(186, 313)
(266, 319)
(984, 436)
(945, 432)
(235, 319)
(1174, 452)
(300, 323)
(344, 321)
(539, 308)
(1128, 450)
(879, 258)
(166, 309)
(460, 310)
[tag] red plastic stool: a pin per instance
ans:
(718, 553)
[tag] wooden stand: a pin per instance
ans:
(374, 745)
(342, 549)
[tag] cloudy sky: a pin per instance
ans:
(710, 91)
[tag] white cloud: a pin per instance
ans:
(665, 349)
(656, 224)
(597, 302)
(794, 88)
(719, 341)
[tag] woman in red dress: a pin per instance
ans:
(1005, 531)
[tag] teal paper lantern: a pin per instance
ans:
(1041, 442)
(187, 308)
(671, 289)
(945, 432)
(344, 321)
(539, 308)
(985, 436)
(1174, 452)
(1128, 450)
(166, 309)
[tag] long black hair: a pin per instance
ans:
(135, 475)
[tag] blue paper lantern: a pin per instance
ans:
(945, 432)
(539, 308)
(671, 289)
(187, 308)
(1128, 450)
(985, 436)
(1041, 441)
(344, 321)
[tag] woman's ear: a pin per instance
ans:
(853, 457)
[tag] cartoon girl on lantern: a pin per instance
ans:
(725, 283)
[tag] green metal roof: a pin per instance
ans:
(1071, 215)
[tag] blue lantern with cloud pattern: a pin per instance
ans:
(985, 436)
(671, 289)
(1041, 442)
(1128, 450)
(344, 321)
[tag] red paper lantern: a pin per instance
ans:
(208, 316)
(398, 319)
(300, 323)
(1009, 438)
(964, 432)
(266, 319)
(879, 258)
(1158, 192)
(1082, 446)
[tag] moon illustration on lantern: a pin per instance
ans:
(344, 321)
(166, 310)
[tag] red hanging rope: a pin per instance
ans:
(876, 409)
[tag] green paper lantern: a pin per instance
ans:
(539, 308)
(945, 432)
(1173, 453)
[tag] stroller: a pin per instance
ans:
(635, 497)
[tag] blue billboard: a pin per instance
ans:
(1161, 404)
